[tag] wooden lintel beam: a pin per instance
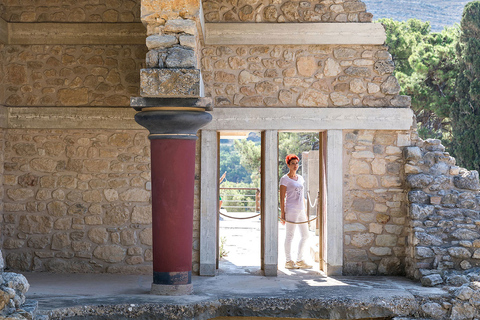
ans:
(76, 33)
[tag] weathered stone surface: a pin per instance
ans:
(401, 101)
(179, 57)
(468, 180)
(246, 77)
(412, 153)
(340, 99)
(390, 86)
(181, 25)
(362, 239)
(332, 68)
(421, 211)
(431, 280)
(170, 83)
(110, 253)
(20, 194)
(384, 67)
(419, 180)
(459, 252)
(306, 66)
(142, 215)
(313, 98)
(434, 310)
(160, 41)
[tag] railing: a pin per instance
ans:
(240, 199)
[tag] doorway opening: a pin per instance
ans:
(310, 148)
(239, 202)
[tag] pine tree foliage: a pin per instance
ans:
(465, 112)
(426, 68)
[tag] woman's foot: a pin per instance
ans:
(302, 265)
(290, 265)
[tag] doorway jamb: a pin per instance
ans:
(208, 203)
(270, 202)
(334, 232)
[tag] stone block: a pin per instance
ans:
(459, 252)
(179, 57)
(181, 25)
(160, 41)
(386, 240)
(180, 83)
(419, 181)
(431, 280)
(401, 101)
(468, 180)
(188, 41)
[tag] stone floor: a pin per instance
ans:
(238, 290)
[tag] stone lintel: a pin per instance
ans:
(75, 33)
(3, 31)
(311, 118)
(170, 83)
(294, 33)
(139, 103)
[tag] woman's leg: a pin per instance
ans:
(303, 240)
(290, 231)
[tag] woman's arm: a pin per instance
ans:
(283, 191)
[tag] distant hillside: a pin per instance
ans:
(440, 13)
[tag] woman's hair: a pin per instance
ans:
(291, 157)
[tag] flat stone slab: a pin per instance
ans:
(305, 294)
(170, 83)
(138, 103)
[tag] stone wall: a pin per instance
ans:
(375, 202)
(56, 75)
(77, 201)
(286, 11)
(305, 76)
(444, 214)
(70, 11)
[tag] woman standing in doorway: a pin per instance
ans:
(292, 206)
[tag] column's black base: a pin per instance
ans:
(172, 278)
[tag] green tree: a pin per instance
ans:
(230, 163)
(465, 113)
(426, 68)
(250, 158)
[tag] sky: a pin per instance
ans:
(440, 13)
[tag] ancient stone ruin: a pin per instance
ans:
(77, 175)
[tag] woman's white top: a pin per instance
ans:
(294, 195)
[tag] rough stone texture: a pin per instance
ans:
(74, 11)
(58, 75)
(375, 203)
(286, 11)
(444, 214)
(305, 76)
(170, 83)
(89, 212)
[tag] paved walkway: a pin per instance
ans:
(237, 290)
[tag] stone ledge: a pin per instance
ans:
(294, 33)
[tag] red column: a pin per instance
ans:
(173, 134)
(173, 175)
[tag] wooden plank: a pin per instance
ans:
(294, 33)
(77, 33)
(208, 202)
(71, 118)
(3, 32)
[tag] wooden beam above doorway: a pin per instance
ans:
(294, 33)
